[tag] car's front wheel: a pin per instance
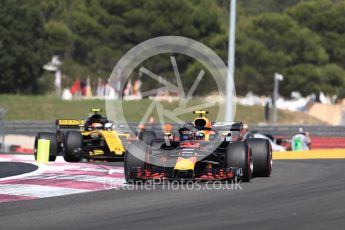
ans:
(239, 155)
(262, 156)
(134, 161)
(72, 145)
(53, 146)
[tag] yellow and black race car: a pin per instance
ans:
(202, 150)
(93, 138)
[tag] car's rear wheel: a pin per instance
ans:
(147, 137)
(134, 161)
(239, 155)
(72, 145)
(53, 146)
(262, 156)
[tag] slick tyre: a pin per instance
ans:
(72, 144)
(134, 161)
(262, 157)
(53, 146)
(238, 155)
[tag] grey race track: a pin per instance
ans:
(307, 194)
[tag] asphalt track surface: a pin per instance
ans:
(304, 194)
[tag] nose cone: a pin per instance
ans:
(185, 163)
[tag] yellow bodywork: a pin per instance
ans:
(96, 152)
(69, 122)
(112, 139)
(185, 163)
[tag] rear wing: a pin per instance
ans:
(69, 123)
(228, 126)
(221, 126)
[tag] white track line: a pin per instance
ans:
(37, 190)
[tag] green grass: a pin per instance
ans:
(47, 108)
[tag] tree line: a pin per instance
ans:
(303, 40)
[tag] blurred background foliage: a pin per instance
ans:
(303, 40)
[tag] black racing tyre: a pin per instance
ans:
(134, 159)
(73, 142)
(262, 156)
(147, 137)
(238, 154)
(53, 147)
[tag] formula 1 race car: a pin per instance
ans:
(201, 151)
(93, 138)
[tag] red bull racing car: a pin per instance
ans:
(201, 150)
